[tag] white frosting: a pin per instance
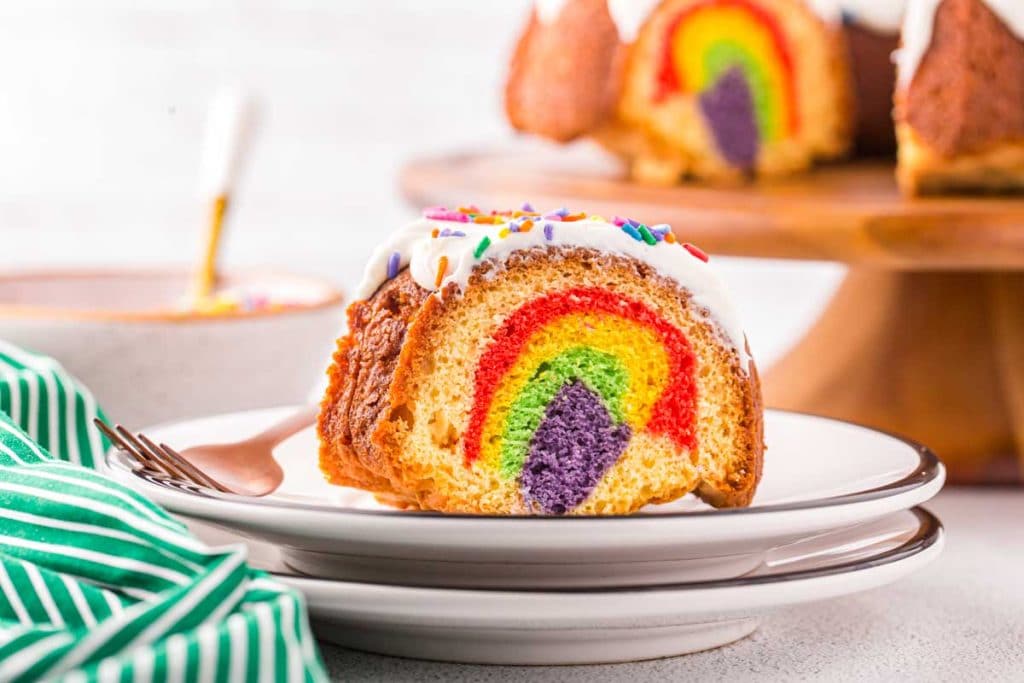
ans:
(883, 16)
(421, 252)
(920, 20)
(629, 15)
(548, 10)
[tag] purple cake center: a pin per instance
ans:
(575, 444)
(728, 107)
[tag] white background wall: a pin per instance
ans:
(102, 106)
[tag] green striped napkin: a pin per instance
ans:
(98, 583)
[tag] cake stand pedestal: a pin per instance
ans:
(925, 337)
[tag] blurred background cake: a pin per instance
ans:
(718, 89)
(687, 87)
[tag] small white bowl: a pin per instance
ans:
(146, 360)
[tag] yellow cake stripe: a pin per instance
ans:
(705, 29)
(637, 347)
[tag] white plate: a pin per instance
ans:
(820, 475)
(590, 627)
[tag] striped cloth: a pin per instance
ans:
(37, 394)
(98, 583)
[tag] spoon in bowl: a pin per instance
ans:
(229, 131)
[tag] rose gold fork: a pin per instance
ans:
(245, 467)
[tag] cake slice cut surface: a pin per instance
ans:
(522, 363)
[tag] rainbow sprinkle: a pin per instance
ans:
(526, 218)
(440, 213)
(660, 231)
(696, 251)
(394, 261)
(442, 268)
(645, 233)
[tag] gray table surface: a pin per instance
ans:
(960, 618)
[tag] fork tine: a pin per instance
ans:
(177, 466)
(160, 458)
(159, 462)
(182, 462)
(188, 471)
(123, 445)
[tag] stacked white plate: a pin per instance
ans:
(835, 514)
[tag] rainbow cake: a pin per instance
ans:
(718, 89)
(711, 89)
(526, 363)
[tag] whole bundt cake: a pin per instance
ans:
(520, 363)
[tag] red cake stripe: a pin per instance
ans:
(674, 414)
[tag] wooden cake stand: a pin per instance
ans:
(925, 337)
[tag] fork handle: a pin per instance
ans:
(293, 424)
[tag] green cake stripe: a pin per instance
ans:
(725, 55)
(601, 372)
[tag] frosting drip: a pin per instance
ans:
(461, 245)
(629, 15)
(548, 10)
(920, 21)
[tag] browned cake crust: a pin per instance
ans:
(960, 122)
(360, 381)
(968, 93)
(562, 80)
(364, 411)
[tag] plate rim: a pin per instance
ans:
(930, 532)
(928, 469)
